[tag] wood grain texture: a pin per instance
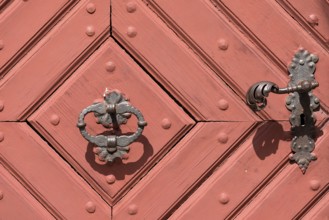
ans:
(87, 85)
(48, 178)
(176, 67)
(312, 15)
(187, 66)
(240, 64)
(281, 35)
(49, 63)
(292, 187)
(182, 168)
(21, 27)
(320, 209)
(242, 175)
(16, 202)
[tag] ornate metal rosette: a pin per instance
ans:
(111, 113)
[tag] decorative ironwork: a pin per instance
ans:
(301, 102)
(111, 113)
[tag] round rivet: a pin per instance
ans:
(316, 101)
(90, 207)
(1, 195)
(110, 179)
(2, 137)
(301, 62)
(131, 7)
(222, 137)
(1, 44)
(293, 66)
(110, 66)
(223, 104)
(311, 64)
(131, 31)
(315, 185)
(315, 58)
(313, 19)
(90, 31)
(222, 44)
(313, 155)
(91, 8)
(288, 101)
(223, 198)
(165, 123)
(2, 106)
(291, 156)
(54, 119)
(132, 209)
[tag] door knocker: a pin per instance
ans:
(111, 113)
(300, 101)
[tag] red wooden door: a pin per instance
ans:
(187, 66)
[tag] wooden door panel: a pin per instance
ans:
(166, 121)
(18, 40)
(16, 202)
(313, 15)
(53, 59)
(187, 66)
(174, 65)
(49, 179)
(320, 209)
(222, 47)
(242, 176)
(176, 175)
(282, 38)
(292, 187)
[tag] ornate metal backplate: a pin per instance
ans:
(301, 102)
(111, 113)
(302, 105)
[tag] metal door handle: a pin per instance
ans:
(301, 102)
(114, 111)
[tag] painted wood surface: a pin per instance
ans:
(187, 66)
(16, 201)
(166, 121)
(48, 178)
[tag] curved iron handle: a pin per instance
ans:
(257, 93)
(111, 113)
(301, 102)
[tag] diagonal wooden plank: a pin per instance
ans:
(282, 38)
(52, 60)
(174, 65)
(292, 187)
(18, 33)
(48, 178)
(181, 170)
(321, 209)
(245, 172)
(222, 47)
(110, 67)
(16, 202)
(312, 15)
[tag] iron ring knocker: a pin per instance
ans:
(115, 110)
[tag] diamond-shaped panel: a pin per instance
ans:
(110, 67)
